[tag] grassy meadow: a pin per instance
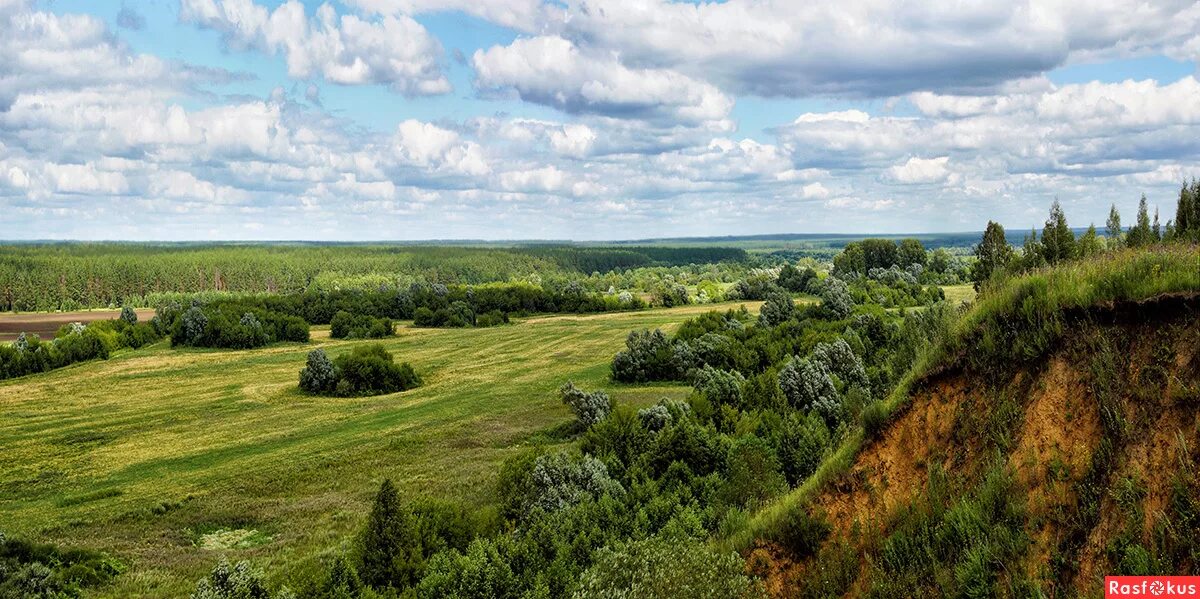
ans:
(156, 454)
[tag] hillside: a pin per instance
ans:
(1038, 450)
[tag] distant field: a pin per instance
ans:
(144, 454)
(45, 324)
(956, 294)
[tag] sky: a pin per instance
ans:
(369, 120)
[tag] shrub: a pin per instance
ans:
(590, 408)
(37, 570)
(682, 568)
(371, 370)
(241, 581)
(128, 315)
(875, 418)
(319, 375)
(655, 417)
(491, 319)
(801, 533)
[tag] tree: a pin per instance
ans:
(720, 387)
(753, 476)
(993, 254)
(940, 260)
(778, 308)
(1089, 244)
(795, 280)
(1032, 251)
(839, 359)
(912, 252)
(319, 374)
(1156, 229)
(1058, 242)
(195, 323)
(128, 315)
(385, 544)
(560, 480)
(836, 299)
(650, 356)
(590, 408)
(801, 441)
(1141, 235)
(1187, 212)
(1113, 227)
(807, 385)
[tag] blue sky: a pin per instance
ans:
(518, 119)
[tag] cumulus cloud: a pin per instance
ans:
(394, 50)
(920, 170)
(873, 48)
(553, 71)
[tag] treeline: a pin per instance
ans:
(995, 257)
(39, 277)
(232, 325)
(74, 343)
(421, 300)
(605, 259)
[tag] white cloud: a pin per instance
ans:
(874, 48)
(394, 50)
(553, 71)
(920, 170)
(524, 15)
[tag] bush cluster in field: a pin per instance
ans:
(74, 343)
(365, 370)
(345, 325)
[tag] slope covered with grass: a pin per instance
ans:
(1048, 436)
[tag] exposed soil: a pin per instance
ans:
(45, 324)
(1054, 428)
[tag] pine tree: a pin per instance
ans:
(1031, 251)
(1141, 234)
(1113, 227)
(1058, 242)
(1089, 243)
(1157, 229)
(385, 544)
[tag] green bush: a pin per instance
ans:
(371, 370)
(345, 325)
(666, 567)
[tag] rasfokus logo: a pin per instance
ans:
(1152, 586)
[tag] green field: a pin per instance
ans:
(145, 453)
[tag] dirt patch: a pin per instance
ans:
(893, 469)
(45, 324)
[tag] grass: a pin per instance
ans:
(135, 454)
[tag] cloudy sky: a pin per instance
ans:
(586, 119)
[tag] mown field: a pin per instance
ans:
(148, 454)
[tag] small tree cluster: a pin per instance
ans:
(364, 370)
(778, 309)
(650, 356)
